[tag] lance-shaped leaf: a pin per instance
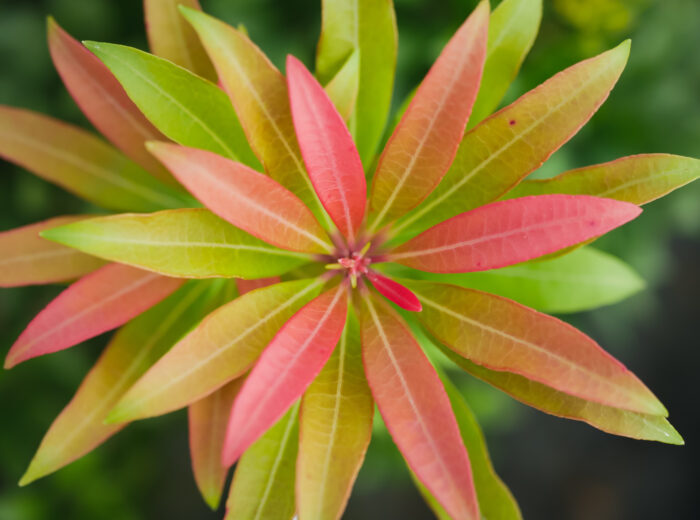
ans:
(186, 108)
(186, 243)
(637, 179)
(394, 291)
(335, 429)
(80, 427)
(223, 347)
(605, 418)
(81, 163)
(171, 37)
(342, 89)
(28, 259)
(263, 484)
(329, 153)
(286, 368)
(259, 94)
(245, 286)
(495, 499)
(207, 420)
(502, 150)
(246, 198)
(512, 231)
(581, 280)
(422, 147)
(416, 409)
(102, 99)
(96, 303)
(503, 335)
(368, 28)
(512, 30)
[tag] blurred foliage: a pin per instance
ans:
(144, 472)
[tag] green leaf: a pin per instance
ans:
(512, 30)
(342, 89)
(187, 243)
(582, 280)
(367, 26)
(263, 485)
(186, 108)
(134, 349)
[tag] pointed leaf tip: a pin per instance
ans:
(395, 292)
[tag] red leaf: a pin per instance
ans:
(96, 303)
(512, 231)
(287, 366)
(246, 198)
(395, 292)
(329, 153)
(245, 286)
(416, 409)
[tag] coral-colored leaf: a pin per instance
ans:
(135, 347)
(263, 484)
(245, 286)
(103, 100)
(98, 302)
(416, 409)
(186, 108)
(365, 29)
(186, 243)
(335, 429)
(512, 231)
(223, 347)
(81, 163)
(28, 259)
(285, 369)
(503, 335)
(246, 198)
(329, 153)
(608, 419)
(637, 179)
(425, 141)
(259, 95)
(394, 291)
(207, 420)
(171, 37)
(506, 147)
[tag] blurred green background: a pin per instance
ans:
(557, 469)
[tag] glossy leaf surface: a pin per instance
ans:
(259, 94)
(416, 409)
(513, 231)
(394, 291)
(503, 335)
(186, 108)
(103, 101)
(329, 153)
(81, 163)
(342, 89)
(502, 150)
(335, 429)
(80, 427)
(28, 259)
(422, 147)
(285, 369)
(223, 347)
(186, 243)
(98, 302)
(368, 28)
(263, 485)
(171, 37)
(246, 198)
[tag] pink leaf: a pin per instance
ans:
(246, 198)
(103, 100)
(96, 303)
(329, 153)
(395, 292)
(424, 143)
(245, 286)
(416, 409)
(512, 231)
(287, 366)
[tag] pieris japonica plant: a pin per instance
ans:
(277, 273)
